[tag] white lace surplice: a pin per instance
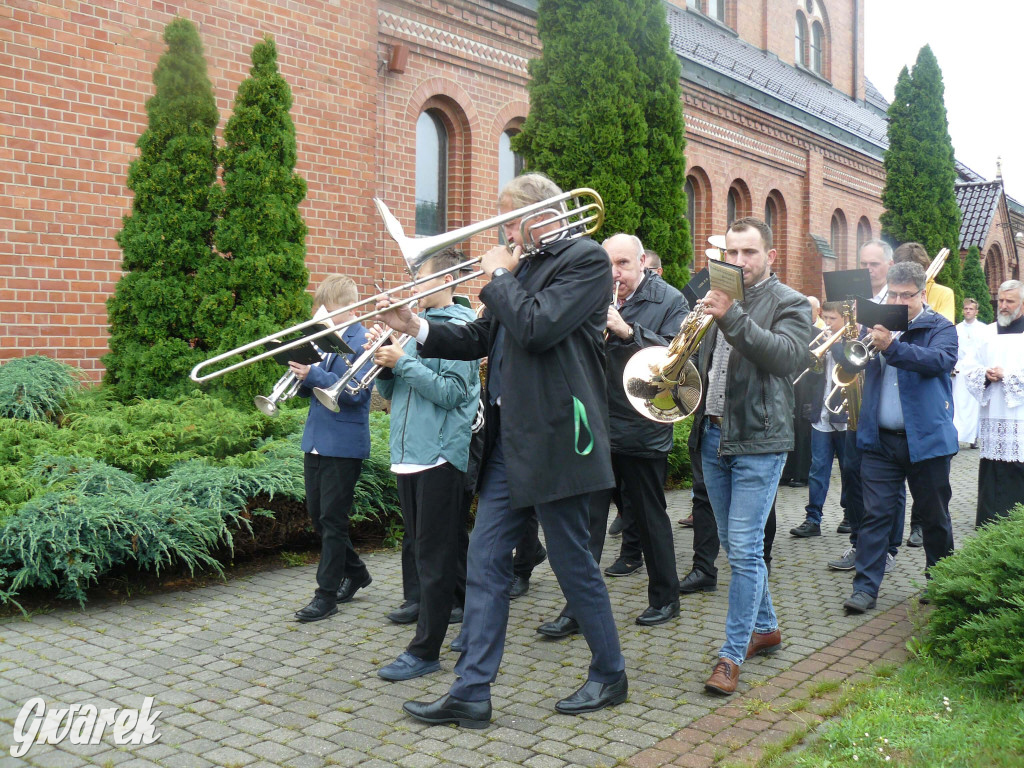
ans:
(1001, 427)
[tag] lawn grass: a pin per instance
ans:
(920, 716)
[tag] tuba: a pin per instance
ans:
(662, 383)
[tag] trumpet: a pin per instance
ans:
(583, 219)
(349, 382)
(615, 293)
(817, 355)
(285, 389)
(662, 383)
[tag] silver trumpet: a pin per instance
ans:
(285, 389)
(349, 382)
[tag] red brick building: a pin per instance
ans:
(411, 101)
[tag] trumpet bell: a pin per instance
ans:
(656, 398)
(327, 398)
(266, 406)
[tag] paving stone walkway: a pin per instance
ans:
(239, 683)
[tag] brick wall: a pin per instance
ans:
(74, 79)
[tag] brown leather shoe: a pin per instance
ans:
(764, 642)
(687, 522)
(724, 679)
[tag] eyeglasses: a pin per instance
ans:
(892, 297)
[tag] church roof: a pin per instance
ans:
(977, 201)
(714, 56)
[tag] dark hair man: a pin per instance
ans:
(747, 361)
(905, 432)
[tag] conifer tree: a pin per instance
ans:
(663, 225)
(167, 237)
(586, 126)
(919, 194)
(975, 285)
(259, 286)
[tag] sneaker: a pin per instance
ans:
(805, 530)
(890, 561)
(844, 526)
(845, 563)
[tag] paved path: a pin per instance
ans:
(239, 683)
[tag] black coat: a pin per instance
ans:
(655, 313)
(553, 398)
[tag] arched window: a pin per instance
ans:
(863, 233)
(691, 211)
(800, 51)
(775, 217)
(771, 213)
(838, 238)
(732, 204)
(510, 164)
(738, 203)
(817, 44)
(431, 174)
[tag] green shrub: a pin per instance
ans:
(679, 473)
(35, 388)
(978, 593)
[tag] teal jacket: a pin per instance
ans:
(433, 401)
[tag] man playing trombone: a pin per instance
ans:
(546, 442)
(434, 403)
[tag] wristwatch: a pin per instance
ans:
(498, 272)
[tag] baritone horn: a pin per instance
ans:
(584, 218)
(662, 383)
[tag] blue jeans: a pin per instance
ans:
(824, 446)
(741, 489)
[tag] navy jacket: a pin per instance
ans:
(924, 356)
(345, 434)
(554, 406)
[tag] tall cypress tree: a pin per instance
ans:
(663, 225)
(975, 285)
(919, 194)
(586, 126)
(259, 286)
(167, 238)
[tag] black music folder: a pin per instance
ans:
(310, 352)
(847, 285)
(697, 288)
(890, 316)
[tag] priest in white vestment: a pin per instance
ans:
(971, 334)
(998, 384)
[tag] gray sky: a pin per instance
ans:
(980, 49)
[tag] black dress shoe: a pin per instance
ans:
(653, 616)
(520, 586)
(797, 483)
(318, 608)
(456, 617)
(916, 538)
(594, 696)
(563, 626)
(350, 586)
(448, 709)
(616, 527)
(409, 613)
(623, 568)
(805, 530)
(697, 581)
(844, 526)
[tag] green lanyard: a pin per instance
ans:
(579, 413)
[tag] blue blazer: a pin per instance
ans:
(345, 434)
(924, 356)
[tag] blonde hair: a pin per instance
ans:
(336, 290)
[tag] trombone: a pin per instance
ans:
(583, 219)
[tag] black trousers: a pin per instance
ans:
(529, 551)
(886, 467)
(641, 481)
(1000, 487)
(330, 488)
(410, 576)
(706, 545)
(433, 506)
